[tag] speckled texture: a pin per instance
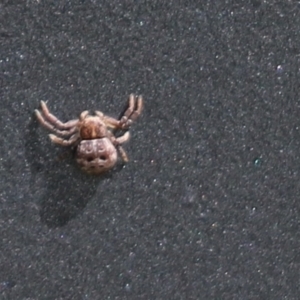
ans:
(208, 206)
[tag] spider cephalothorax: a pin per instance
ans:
(96, 145)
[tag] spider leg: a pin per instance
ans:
(131, 112)
(99, 114)
(110, 122)
(50, 127)
(123, 154)
(123, 138)
(66, 143)
(83, 115)
(118, 142)
(54, 120)
(135, 106)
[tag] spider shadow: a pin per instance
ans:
(65, 189)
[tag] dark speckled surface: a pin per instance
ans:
(208, 206)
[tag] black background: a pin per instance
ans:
(208, 206)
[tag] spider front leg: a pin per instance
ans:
(135, 106)
(133, 111)
(52, 123)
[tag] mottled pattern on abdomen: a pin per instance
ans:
(96, 156)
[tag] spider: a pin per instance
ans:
(92, 136)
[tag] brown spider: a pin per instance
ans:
(92, 136)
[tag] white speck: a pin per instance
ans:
(279, 69)
(127, 287)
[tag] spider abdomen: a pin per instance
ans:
(96, 156)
